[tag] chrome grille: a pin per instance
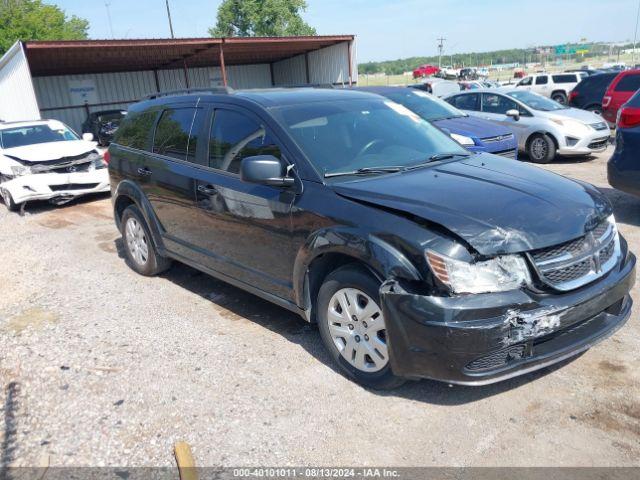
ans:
(599, 143)
(499, 138)
(576, 263)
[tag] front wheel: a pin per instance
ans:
(352, 327)
(541, 148)
(8, 201)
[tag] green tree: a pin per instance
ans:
(261, 18)
(34, 20)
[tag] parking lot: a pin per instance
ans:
(101, 366)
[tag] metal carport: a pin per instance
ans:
(66, 80)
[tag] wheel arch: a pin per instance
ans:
(542, 132)
(327, 250)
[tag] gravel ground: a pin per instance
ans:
(99, 366)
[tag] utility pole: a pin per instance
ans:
(441, 41)
(107, 5)
(635, 36)
(169, 16)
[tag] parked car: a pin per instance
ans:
(46, 160)
(476, 84)
(556, 86)
(415, 257)
(624, 167)
(438, 87)
(544, 128)
(475, 134)
(468, 74)
(588, 94)
(103, 125)
(425, 71)
(620, 90)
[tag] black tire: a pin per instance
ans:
(541, 148)
(352, 277)
(150, 264)
(559, 97)
(597, 109)
(8, 201)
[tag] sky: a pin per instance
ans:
(392, 29)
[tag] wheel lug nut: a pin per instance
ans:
(366, 337)
(354, 318)
(350, 327)
(357, 339)
(364, 324)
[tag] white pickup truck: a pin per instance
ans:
(556, 86)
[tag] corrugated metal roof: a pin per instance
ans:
(100, 56)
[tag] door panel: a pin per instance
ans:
(243, 230)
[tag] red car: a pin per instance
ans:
(620, 90)
(425, 71)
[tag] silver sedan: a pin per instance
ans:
(544, 127)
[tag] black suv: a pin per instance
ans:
(588, 94)
(416, 258)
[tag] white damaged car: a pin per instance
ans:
(46, 160)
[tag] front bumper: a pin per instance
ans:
(482, 339)
(57, 186)
(595, 142)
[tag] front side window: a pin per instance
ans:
(31, 135)
(233, 137)
(492, 103)
(536, 102)
(525, 82)
(543, 80)
(466, 102)
(172, 133)
(349, 135)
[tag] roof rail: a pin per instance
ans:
(309, 85)
(216, 90)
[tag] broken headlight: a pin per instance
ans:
(498, 274)
(96, 161)
(20, 170)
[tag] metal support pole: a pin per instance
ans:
(186, 73)
(350, 54)
(222, 67)
(169, 16)
(306, 68)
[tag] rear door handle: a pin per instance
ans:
(145, 172)
(207, 190)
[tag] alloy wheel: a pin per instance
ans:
(137, 242)
(357, 327)
(539, 148)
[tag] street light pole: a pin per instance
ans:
(107, 5)
(169, 16)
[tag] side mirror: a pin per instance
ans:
(264, 170)
(87, 137)
(515, 114)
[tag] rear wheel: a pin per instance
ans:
(352, 327)
(139, 249)
(541, 148)
(559, 97)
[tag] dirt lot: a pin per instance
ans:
(99, 366)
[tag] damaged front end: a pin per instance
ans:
(57, 181)
(481, 338)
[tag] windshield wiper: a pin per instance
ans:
(366, 171)
(436, 158)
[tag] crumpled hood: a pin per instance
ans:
(46, 152)
(496, 205)
(472, 127)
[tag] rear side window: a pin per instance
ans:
(136, 129)
(564, 78)
(601, 81)
(466, 102)
(172, 133)
(542, 80)
(235, 136)
(629, 83)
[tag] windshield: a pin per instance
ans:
(22, 136)
(354, 134)
(537, 102)
(427, 106)
(111, 117)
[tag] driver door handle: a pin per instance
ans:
(207, 190)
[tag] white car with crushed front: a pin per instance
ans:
(46, 160)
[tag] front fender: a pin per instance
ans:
(133, 192)
(383, 259)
